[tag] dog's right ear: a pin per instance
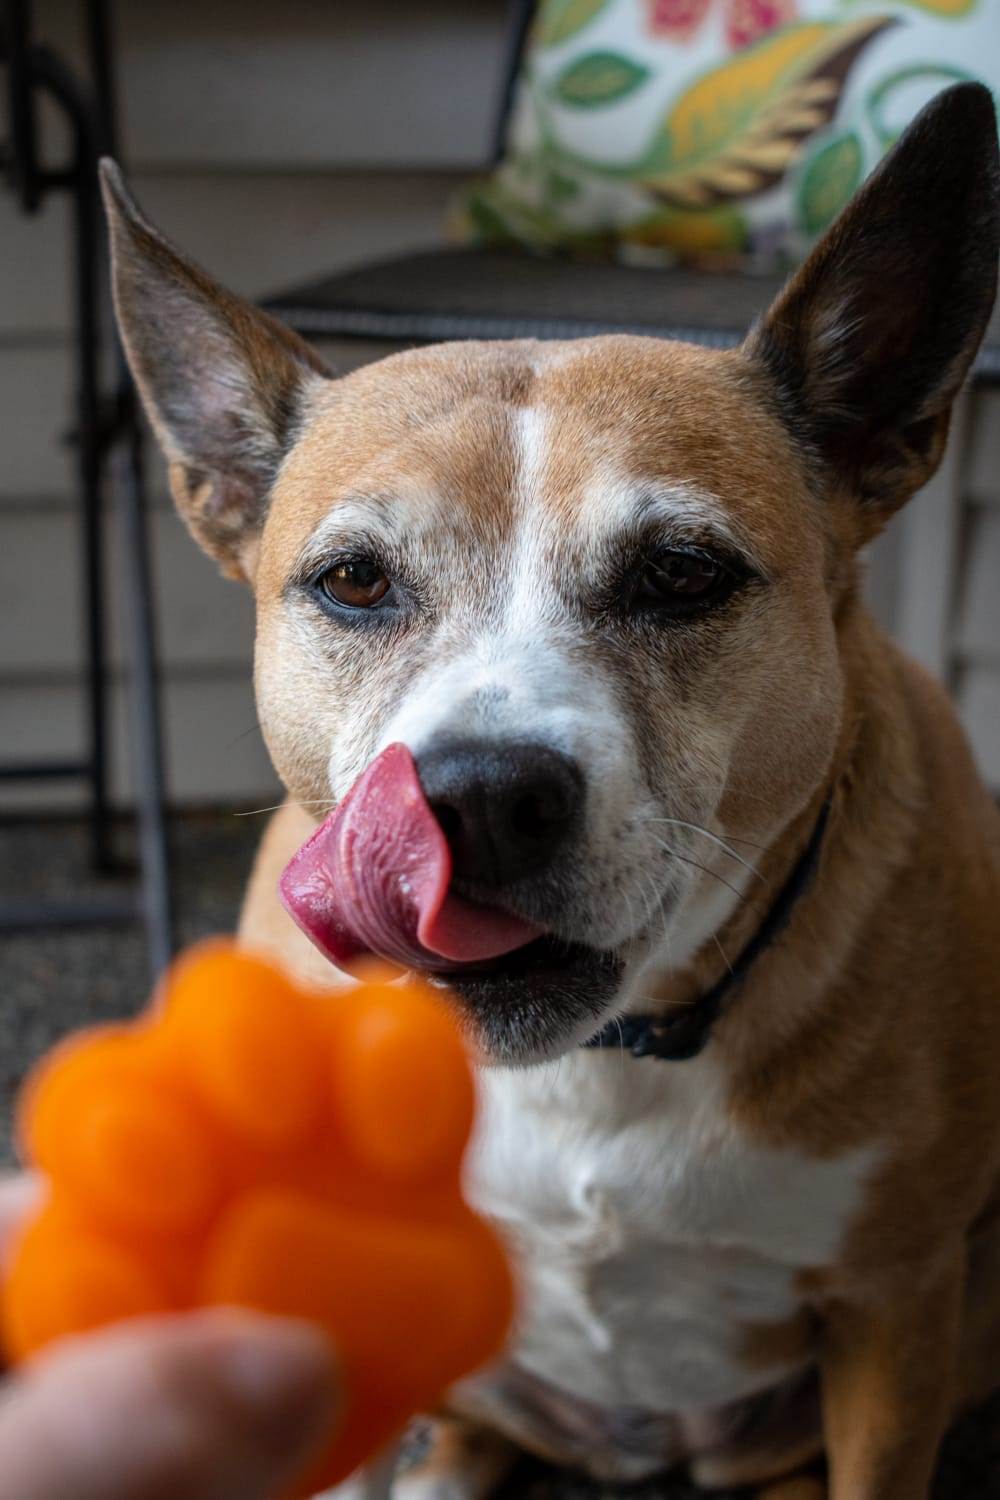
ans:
(868, 345)
(223, 383)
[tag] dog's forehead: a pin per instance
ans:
(465, 436)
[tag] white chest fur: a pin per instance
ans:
(650, 1230)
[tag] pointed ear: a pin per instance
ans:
(869, 343)
(223, 383)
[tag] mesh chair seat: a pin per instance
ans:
(496, 294)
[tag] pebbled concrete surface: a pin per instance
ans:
(51, 982)
(54, 981)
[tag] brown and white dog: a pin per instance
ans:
(606, 592)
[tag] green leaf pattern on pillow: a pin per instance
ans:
(598, 78)
(831, 175)
(560, 19)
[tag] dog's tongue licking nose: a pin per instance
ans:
(374, 878)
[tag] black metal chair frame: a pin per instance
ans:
(108, 440)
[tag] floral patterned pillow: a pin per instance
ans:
(714, 128)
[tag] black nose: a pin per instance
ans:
(506, 809)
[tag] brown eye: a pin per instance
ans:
(358, 584)
(680, 578)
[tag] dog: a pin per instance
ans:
(606, 594)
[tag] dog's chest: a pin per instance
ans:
(652, 1235)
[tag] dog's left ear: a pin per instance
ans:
(223, 384)
(868, 344)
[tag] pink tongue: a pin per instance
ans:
(373, 879)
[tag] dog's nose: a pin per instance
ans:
(506, 809)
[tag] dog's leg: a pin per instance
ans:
(980, 1347)
(801, 1487)
(755, 1466)
(463, 1462)
(888, 1372)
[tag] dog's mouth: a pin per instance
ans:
(531, 1003)
(375, 880)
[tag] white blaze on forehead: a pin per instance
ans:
(532, 597)
(530, 440)
(515, 675)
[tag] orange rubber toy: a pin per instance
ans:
(253, 1143)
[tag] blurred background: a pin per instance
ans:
(284, 146)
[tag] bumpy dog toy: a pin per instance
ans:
(253, 1143)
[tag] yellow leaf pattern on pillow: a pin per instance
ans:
(736, 130)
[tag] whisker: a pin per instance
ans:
(722, 952)
(668, 936)
(621, 1050)
(696, 828)
(649, 907)
(256, 811)
(656, 907)
(631, 913)
(750, 843)
(658, 1000)
(652, 907)
(687, 860)
(256, 725)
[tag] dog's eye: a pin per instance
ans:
(680, 579)
(358, 583)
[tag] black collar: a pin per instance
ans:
(684, 1034)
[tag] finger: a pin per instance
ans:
(208, 1406)
(20, 1193)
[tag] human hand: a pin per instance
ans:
(209, 1405)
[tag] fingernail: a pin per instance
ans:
(276, 1368)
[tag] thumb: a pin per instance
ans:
(20, 1195)
(208, 1406)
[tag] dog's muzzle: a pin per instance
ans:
(419, 865)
